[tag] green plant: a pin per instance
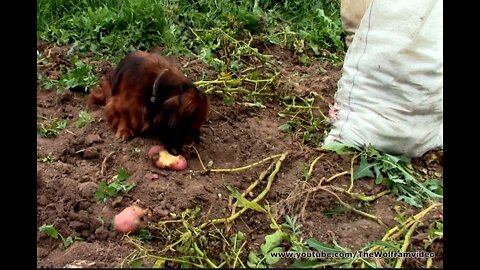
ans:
(83, 118)
(144, 235)
(79, 76)
(52, 232)
(112, 28)
(287, 237)
(50, 127)
(49, 158)
(112, 189)
(434, 232)
(395, 172)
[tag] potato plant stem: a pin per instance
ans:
(361, 197)
(336, 175)
(247, 166)
(271, 177)
(349, 207)
(406, 243)
(351, 172)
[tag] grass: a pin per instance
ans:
(112, 28)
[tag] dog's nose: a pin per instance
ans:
(173, 151)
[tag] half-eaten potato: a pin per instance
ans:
(162, 159)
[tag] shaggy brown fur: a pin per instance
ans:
(145, 93)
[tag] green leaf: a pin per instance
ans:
(122, 175)
(303, 59)
(285, 127)
(138, 263)
(159, 263)
(185, 265)
(340, 148)
(363, 169)
(271, 241)
(397, 180)
(227, 100)
(393, 159)
(320, 246)
(241, 236)
(100, 194)
(273, 260)
(129, 187)
(111, 190)
(414, 201)
(242, 202)
(396, 159)
(379, 176)
(253, 259)
(84, 118)
(67, 242)
(303, 264)
(334, 211)
(314, 48)
(49, 230)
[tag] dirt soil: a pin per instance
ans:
(233, 137)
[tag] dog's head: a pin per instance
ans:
(181, 111)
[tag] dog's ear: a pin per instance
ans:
(171, 110)
(181, 106)
(156, 91)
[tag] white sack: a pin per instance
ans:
(390, 94)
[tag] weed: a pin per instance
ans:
(393, 171)
(79, 76)
(83, 118)
(50, 127)
(112, 189)
(52, 232)
(49, 158)
(435, 232)
(144, 235)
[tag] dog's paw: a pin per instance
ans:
(124, 134)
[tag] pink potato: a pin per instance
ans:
(162, 159)
(130, 219)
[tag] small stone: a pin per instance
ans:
(101, 233)
(91, 153)
(84, 178)
(92, 138)
(117, 201)
(162, 213)
(152, 176)
(78, 226)
(87, 189)
(42, 200)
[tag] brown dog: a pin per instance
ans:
(147, 94)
